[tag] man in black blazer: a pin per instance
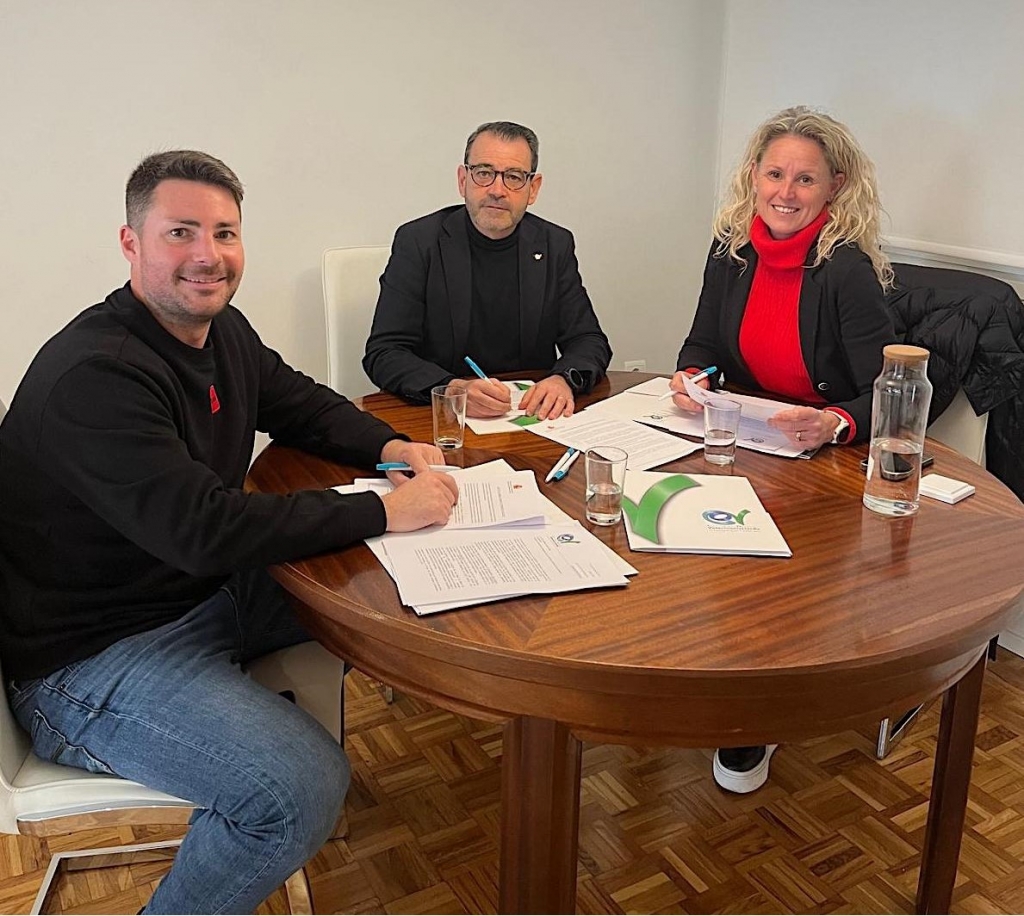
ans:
(490, 281)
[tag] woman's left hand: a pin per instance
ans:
(806, 427)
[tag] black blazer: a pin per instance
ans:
(844, 323)
(421, 324)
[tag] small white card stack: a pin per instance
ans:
(945, 489)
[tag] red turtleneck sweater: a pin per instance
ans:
(770, 333)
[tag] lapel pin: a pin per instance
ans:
(537, 255)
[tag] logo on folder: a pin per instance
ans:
(721, 517)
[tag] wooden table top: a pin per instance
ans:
(869, 615)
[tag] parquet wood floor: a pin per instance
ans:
(834, 831)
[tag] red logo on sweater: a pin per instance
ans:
(214, 401)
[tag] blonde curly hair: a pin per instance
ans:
(853, 213)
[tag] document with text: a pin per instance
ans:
(479, 565)
(646, 448)
(553, 517)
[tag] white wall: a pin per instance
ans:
(343, 120)
(932, 89)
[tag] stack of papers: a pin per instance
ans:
(698, 513)
(643, 403)
(504, 540)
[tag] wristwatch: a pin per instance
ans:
(839, 436)
(574, 379)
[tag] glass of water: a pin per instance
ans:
(721, 424)
(606, 473)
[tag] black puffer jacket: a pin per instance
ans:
(974, 327)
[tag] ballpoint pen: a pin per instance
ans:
(477, 371)
(699, 377)
(564, 469)
(570, 453)
(402, 466)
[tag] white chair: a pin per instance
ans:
(962, 429)
(351, 278)
(42, 799)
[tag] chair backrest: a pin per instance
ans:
(14, 744)
(962, 429)
(351, 284)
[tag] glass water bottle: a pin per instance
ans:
(899, 417)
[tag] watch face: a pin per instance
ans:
(574, 378)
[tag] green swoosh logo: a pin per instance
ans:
(643, 516)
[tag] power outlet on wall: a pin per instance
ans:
(635, 365)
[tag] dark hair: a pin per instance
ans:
(508, 131)
(181, 164)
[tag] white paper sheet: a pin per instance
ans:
(484, 502)
(478, 565)
(645, 447)
(483, 426)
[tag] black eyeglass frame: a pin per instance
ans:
(502, 172)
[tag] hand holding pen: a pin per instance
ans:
(677, 389)
(487, 397)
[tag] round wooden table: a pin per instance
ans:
(869, 617)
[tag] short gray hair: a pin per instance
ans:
(507, 131)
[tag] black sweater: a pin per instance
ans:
(122, 460)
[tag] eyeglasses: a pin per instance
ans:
(483, 176)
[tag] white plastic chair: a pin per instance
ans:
(41, 799)
(351, 279)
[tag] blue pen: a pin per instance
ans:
(563, 462)
(402, 466)
(564, 469)
(477, 371)
(699, 377)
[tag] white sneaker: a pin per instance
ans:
(742, 769)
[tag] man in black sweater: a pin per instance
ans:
(132, 582)
(490, 281)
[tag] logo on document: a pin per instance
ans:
(566, 539)
(721, 517)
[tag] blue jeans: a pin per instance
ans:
(172, 709)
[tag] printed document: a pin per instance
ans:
(479, 565)
(641, 403)
(484, 502)
(646, 448)
(553, 517)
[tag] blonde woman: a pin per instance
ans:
(792, 302)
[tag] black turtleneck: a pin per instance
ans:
(494, 318)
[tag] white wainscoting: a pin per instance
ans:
(1003, 265)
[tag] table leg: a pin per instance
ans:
(950, 784)
(540, 814)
